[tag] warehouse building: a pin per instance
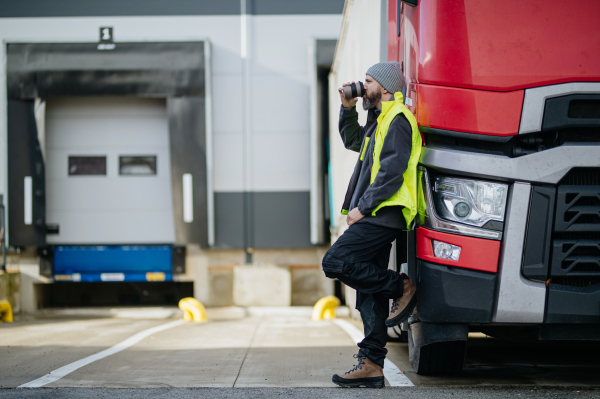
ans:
(151, 141)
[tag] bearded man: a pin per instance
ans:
(380, 203)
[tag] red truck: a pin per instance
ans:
(507, 240)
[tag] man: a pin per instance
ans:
(380, 203)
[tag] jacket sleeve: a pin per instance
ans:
(352, 133)
(393, 159)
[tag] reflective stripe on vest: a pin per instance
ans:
(407, 195)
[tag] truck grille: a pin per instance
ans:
(579, 282)
(576, 257)
(576, 237)
(578, 208)
(582, 177)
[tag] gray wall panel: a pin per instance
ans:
(273, 7)
(275, 113)
(281, 162)
(229, 220)
(228, 156)
(279, 220)
(79, 8)
(279, 44)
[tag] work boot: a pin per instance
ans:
(402, 307)
(365, 374)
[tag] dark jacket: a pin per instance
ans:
(393, 159)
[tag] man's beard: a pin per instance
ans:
(371, 101)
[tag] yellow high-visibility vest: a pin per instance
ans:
(407, 195)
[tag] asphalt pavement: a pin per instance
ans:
(302, 393)
(247, 353)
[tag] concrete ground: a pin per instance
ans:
(254, 349)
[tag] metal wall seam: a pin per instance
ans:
(245, 42)
(4, 134)
(210, 201)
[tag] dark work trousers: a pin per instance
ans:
(359, 259)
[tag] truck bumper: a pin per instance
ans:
(455, 295)
(573, 304)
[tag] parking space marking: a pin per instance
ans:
(69, 368)
(390, 370)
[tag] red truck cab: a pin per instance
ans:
(507, 240)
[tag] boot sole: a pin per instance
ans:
(373, 382)
(404, 314)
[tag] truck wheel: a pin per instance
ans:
(440, 358)
(396, 334)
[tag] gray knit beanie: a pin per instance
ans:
(388, 74)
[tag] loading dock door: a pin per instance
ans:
(108, 176)
(177, 71)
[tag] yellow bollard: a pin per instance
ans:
(193, 310)
(325, 308)
(6, 312)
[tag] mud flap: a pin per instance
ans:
(437, 349)
(426, 333)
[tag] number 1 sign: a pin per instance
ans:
(106, 38)
(106, 34)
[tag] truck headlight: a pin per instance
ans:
(467, 201)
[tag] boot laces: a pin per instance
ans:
(395, 304)
(361, 361)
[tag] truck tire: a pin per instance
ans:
(396, 334)
(440, 358)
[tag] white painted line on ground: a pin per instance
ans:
(394, 377)
(350, 329)
(390, 370)
(69, 368)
